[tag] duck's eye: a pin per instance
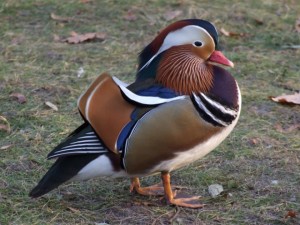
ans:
(198, 43)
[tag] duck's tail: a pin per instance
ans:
(81, 156)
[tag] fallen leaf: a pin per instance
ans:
(224, 32)
(293, 127)
(17, 40)
(101, 35)
(2, 118)
(254, 141)
(170, 15)
(297, 25)
(293, 99)
(4, 147)
(258, 21)
(73, 33)
(19, 97)
(4, 128)
(231, 34)
(56, 37)
(130, 16)
(73, 209)
(288, 129)
(60, 18)
(79, 38)
(52, 106)
(279, 128)
(291, 214)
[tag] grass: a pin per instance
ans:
(247, 164)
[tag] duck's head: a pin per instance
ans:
(182, 56)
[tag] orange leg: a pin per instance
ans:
(189, 202)
(155, 190)
(151, 190)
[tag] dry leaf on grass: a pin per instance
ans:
(259, 21)
(287, 129)
(231, 34)
(254, 141)
(4, 147)
(79, 38)
(5, 128)
(56, 37)
(17, 40)
(297, 25)
(73, 209)
(293, 99)
(19, 97)
(60, 18)
(52, 106)
(130, 16)
(290, 214)
(170, 15)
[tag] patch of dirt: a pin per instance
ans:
(22, 165)
(47, 91)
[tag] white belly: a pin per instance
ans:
(99, 167)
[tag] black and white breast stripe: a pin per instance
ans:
(81, 141)
(212, 111)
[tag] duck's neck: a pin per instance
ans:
(179, 69)
(184, 72)
(224, 89)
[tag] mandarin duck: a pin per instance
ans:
(181, 106)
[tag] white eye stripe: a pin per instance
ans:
(186, 35)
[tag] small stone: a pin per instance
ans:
(215, 189)
(274, 182)
(293, 198)
(80, 72)
(179, 220)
